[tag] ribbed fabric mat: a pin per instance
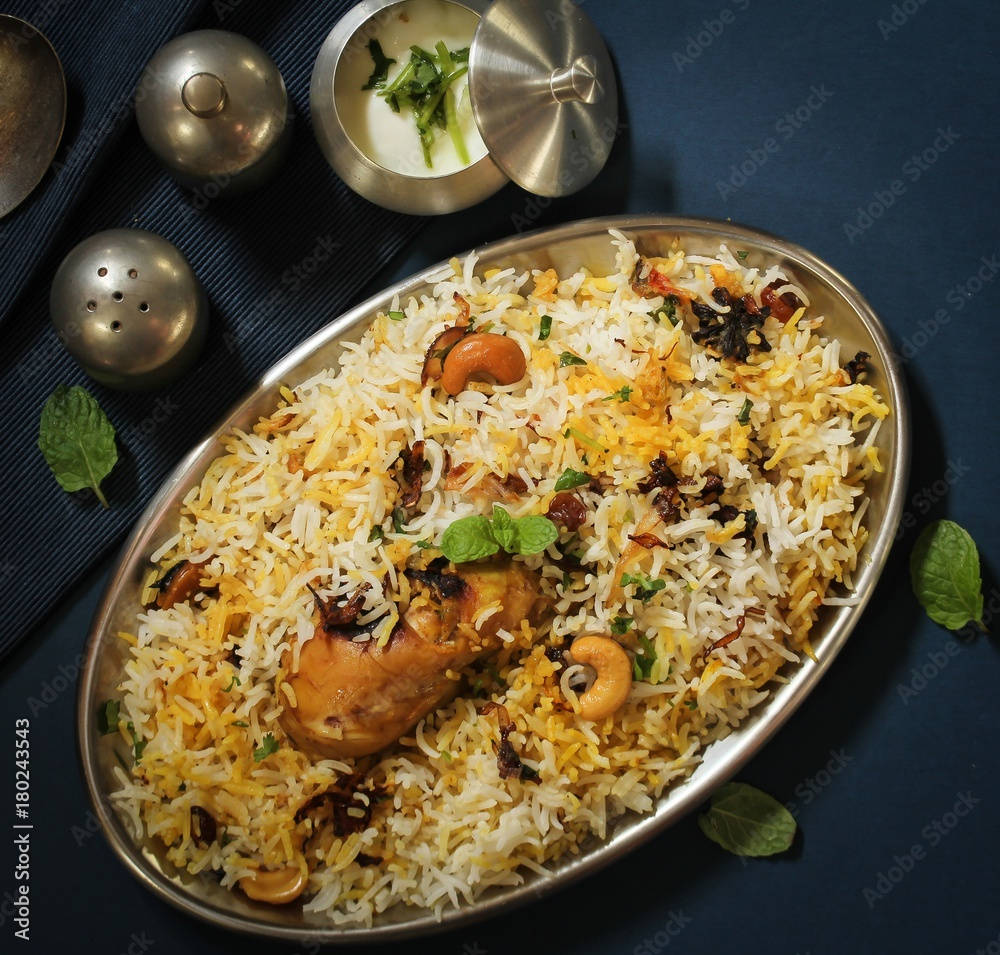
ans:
(276, 263)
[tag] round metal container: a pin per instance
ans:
(566, 248)
(128, 307)
(543, 94)
(213, 107)
(32, 109)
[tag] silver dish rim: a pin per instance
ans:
(679, 799)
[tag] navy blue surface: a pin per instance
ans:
(890, 766)
(276, 264)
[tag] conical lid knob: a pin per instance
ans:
(544, 94)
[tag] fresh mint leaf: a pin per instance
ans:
(376, 534)
(533, 534)
(742, 254)
(544, 327)
(621, 625)
(568, 358)
(502, 528)
(747, 822)
(944, 570)
(398, 519)
(570, 479)
(268, 745)
(468, 538)
(77, 440)
(474, 537)
(107, 717)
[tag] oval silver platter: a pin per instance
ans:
(566, 248)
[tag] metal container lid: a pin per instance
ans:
(543, 93)
(212, 105)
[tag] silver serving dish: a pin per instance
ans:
(565, 248)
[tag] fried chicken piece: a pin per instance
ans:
(354, 697)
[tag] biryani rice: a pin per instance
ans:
(294, 501)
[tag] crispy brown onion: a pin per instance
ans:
(729, 637)
(438, 351)
(333, 617)
(413, 473)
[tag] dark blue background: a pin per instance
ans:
(904, 746)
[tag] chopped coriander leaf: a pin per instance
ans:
(621, 625)
(691, 704)
(398, 519)
(570, 479)
(382, 63)
(568, 358)
(544, 327)
(242, 723)
(446, 756)
(268, 745)
(235, 681)
(424, 544)
(397, 316)
(107, 717)
(424, 88)
(376, 534)
(645, 587)
(744, 416)
(584, 439)
(668, 311)
(622, 394)
(138, 745)
(742, 254)
(642, 663)
(567, 582)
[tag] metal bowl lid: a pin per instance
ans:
(543, 93)
(211, 104)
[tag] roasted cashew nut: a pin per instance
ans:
(614, 675)
(277, 886)
(480, 355)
